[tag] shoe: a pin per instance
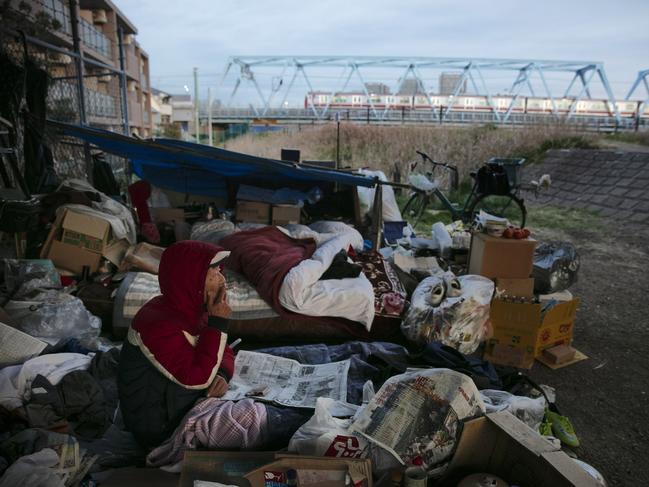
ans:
(562, 428)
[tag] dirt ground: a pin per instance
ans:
(607, 396)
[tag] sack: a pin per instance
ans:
(555, 267)
(456, 317)
(493, 179)
(19, 216)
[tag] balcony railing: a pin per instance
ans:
(59, 12)
(95, 39)
(101, 105)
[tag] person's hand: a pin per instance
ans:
(218, 387)
(217, 303)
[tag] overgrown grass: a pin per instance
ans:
(563, 219)
(641, 138)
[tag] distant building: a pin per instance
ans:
(377, 88)
(161, 111)
(411, 87)
(182, 114)
(448, 84)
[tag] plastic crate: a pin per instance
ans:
(513, 168)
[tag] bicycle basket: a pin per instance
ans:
(492, 179)
(513, 167)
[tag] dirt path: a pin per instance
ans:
(607, 396)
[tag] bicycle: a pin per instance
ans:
(495, 190)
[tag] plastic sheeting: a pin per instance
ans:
(440, 311)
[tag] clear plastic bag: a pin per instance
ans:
(439, 311)
(529, 411)
(53, 315)
(23, 276)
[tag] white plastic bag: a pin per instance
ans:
(35, 470)
(326, 436)
(529, 411)
(391, 212)
(459, 321)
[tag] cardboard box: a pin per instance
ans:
(168, 215)
(85, 231)
(522, 331)
(72, 258)
(501, 444)
(522, 288)
(285, 214)
(494, 257)
(249, 468)
(77, 239)
(252, 212)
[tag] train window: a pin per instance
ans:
(469, 102)
(581, 105)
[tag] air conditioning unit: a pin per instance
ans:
(104, 78)
(128, 39)
(132, 85)
(99, 17)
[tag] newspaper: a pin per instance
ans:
(417, 414)
(18, 347)
(285, 381)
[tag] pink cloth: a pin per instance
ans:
(216, 425)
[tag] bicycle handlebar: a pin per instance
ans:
(425, 157)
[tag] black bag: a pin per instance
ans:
(555, 267)
(19, 216)
(492, 179)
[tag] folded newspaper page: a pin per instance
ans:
(285, 381)
(416, 414)
(18, 347)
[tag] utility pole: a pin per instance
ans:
(197, 128)
(337, 140)
(209, 116)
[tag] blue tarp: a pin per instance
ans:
(202, 170)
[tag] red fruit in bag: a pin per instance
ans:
(508, 233)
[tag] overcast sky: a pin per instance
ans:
(203, 33)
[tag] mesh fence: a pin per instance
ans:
(95, 98)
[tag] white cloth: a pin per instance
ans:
(15, 381)
(391, 211)
(34, 471)
(303, 292)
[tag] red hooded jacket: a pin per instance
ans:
(171, 330)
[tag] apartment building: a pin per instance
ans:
(100, 23)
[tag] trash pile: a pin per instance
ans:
(397, 361)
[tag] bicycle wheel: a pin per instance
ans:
(414, 208)
(506, 206)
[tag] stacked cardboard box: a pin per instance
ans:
(79, 240)
(522, 329)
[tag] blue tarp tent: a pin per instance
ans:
(202, 170)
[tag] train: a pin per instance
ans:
(476, 103)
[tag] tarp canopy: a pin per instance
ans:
(202, 170)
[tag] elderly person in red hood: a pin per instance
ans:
(176, 351)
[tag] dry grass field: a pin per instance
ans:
(381, 147)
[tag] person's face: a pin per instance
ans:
(213, 281)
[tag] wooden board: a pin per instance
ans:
(578, 358)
